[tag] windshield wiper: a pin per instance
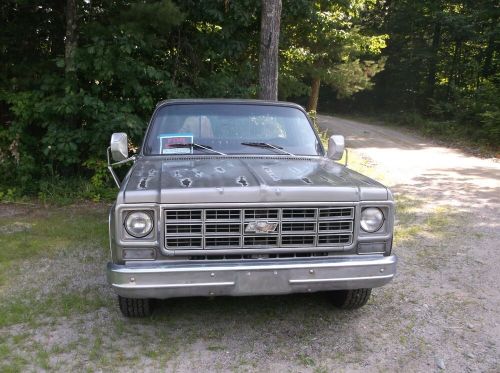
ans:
(195, 146)
(268, 146)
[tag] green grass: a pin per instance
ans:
(50, 232)
(27, 307)
(305, 360)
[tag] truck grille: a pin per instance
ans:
(225, 228)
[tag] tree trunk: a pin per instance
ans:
(268, 56)
(431, 78)
(70, 38)
(312, 103)
(452, 76)
(487, 69)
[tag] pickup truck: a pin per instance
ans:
(240, 197)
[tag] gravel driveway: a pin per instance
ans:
(440, 313)
(449, 279)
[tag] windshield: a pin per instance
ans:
(230, 129)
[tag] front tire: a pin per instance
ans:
(351, 299)
(132, 307)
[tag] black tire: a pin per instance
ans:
(132, 307)
(351, 299)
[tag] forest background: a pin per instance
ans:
(73, 72)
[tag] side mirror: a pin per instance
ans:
(119, 146)
(336, 147)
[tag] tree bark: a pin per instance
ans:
(70, 41)
(268, 56)
(436, 41)
(487, 69)
(453, 75)
(312, 103)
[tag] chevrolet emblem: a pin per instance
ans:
(261, 227)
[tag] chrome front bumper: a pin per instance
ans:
(252, 277)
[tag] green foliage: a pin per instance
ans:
(328, 41)
(129, 56)
(441, 62)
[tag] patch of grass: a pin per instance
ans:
(48, 232)
(439, 220)
(95, 353)
(363, 165)
(42, 358)
(411, 221)
(5, 351)
(215, 348)
(305, 360)
(15, 363)
(27, 307)
(321, 369)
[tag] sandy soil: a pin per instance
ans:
(442, 312)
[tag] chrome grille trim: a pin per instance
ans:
(224, 228)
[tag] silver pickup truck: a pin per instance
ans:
(239, 197)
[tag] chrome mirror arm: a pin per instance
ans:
(111, 165)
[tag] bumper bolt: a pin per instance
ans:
(212, 274)
(132, 279)
(311, 271)
(381, 270)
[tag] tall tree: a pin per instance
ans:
(70, 41)
(325, 42)
(268, 56)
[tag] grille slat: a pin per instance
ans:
(234, 228)
(183, 215)
(297, 240)
(287, 227)
(336, 213)
(219, 242)
(261, 241)
(183, 229)
(225, 228)
(297, 213)
(335, 226)
(219, 215)
(261, 214)
(334, 239)
(185, 242)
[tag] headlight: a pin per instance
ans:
(138, 224)
(372, 219)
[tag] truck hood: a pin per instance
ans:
(246, 179)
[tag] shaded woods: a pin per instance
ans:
(442, 70)
(74, 71)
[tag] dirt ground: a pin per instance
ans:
(441, 313)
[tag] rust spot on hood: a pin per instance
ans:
(186, 183)
(242, 180)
